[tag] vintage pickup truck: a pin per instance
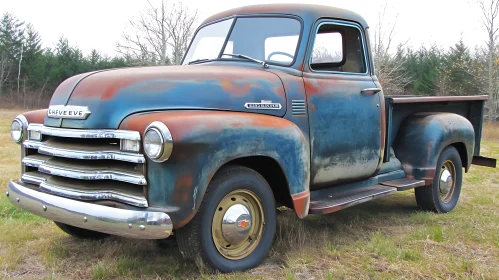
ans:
(274, 105)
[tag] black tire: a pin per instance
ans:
(196, 241)
(81, 233)
(429, 198)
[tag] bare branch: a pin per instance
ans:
(160, 35)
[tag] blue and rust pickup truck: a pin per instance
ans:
(274, 105)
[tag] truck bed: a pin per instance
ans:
(399, 107)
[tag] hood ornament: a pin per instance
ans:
(68, 112)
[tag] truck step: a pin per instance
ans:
(404, 184)
(339, 198)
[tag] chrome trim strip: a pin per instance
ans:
(30, 179)
(92, 174)
(138, 201)
(85, 133)
(33, 162)
(94, 155)
(32, 144)
(122, 222)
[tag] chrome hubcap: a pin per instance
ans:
(236, 223)
(446, 184)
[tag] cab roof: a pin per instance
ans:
(307, 12)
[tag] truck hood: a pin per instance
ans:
(112, 95)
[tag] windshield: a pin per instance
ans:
(270, 39)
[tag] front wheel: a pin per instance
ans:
(235, 225)
(443, 194)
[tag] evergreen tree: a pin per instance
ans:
(424, 67)
(458, 72)
(11, 43)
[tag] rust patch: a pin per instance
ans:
(36, 116)
(182, 194)
(301, 202)
(105, 85)
(234, 88)
(310, 88)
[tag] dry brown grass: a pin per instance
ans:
(384, 239)
(490, 131)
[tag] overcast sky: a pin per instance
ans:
(99, 24)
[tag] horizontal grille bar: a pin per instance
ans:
(85, 133)
(32, 144)
(34, 177)
(91, 174)
(34, 160)
(46, 149)
(139, 201)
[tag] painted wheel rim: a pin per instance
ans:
(237, 224)
(447, 181)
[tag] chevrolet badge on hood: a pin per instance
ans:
(263, 105)
(68, 112)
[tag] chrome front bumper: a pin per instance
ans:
(115, 221)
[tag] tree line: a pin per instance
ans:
(29, 72)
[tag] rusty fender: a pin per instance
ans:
(203, 141)
(423, 136)
(36, 116)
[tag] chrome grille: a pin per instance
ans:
(85, 165)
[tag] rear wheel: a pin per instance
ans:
(81, 233)
(235, 225)
(443, 194)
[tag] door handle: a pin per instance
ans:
(370, 91)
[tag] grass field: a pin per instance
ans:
(384, 239)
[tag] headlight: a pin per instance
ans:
(17, 128)
(158, 142)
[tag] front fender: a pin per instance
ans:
(203, 141)
(423, 136)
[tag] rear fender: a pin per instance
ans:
(423, 136)
(203, 141)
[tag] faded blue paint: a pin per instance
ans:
(111, 98)
(345, 128)
(204, 141)
(423, 136)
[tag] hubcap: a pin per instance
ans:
(237, 224)
(446, 183)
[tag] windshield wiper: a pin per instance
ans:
(198, 61)
(236, 55)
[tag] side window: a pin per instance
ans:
(338, 48)
(328, 48)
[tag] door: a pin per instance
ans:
(344, 106)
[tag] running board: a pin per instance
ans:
(404, 184)
(339, 198)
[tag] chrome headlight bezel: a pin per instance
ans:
(166, 141)
(23, 124)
